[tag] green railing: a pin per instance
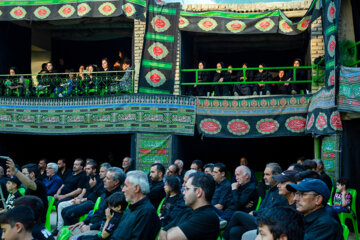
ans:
(294, 80)
(74, 84)
(355, 47)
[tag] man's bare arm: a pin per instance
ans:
(23, 179)
(175, 233)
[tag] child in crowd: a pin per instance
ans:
(116, 206)
(342, 198)
(13, 184)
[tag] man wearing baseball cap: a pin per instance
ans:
(311, 196)
(285, 178)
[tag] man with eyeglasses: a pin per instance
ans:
(203, 223)
(52, 181)
(311, 196)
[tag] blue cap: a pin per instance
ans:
(311, 184)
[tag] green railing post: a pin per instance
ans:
(317, 148)
(244, 74)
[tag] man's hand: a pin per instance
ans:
(251, 213)
(79, 225)
(249, 204)
(235, 186)
(76, 201)
(11, 165)
(221, 79)
(85, 228)
(92, 182)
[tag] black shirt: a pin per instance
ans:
(41, 233)
(41, 193)
(64, 175)
(42, 175)
(243, 195)
(99, 215)
(326, 180)
(171, 207)
(92, 193)
(271, 199)
(203, 224)
(320, 225)
(222, 193)
(74, 182)
(157, 193)
(139, 221)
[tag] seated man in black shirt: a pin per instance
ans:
(140, 220)
(203, 223)
(113, 181)
(222, 187)
(72, 188)
(28, 177)
(311, 196)
(39, 231)
(157, 192)
(63, 171)
(85, 202)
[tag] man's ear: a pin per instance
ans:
(137, 188)
(19, 227)
(199, 192)
(318, 200)
(282, 237)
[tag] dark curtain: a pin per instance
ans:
(15, 48)
(350, 157)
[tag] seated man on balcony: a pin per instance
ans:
(125, 83)
(282, 88)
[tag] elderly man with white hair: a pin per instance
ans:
(52, 181)
(140, 220)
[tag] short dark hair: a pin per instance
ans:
(159, 167)
(204, 181)
(82, 162)
(93, 164)
(298, 167)
(309, 164)
(306, 174)
(117, 199)
(221, 166)
(283, 221)
(198, 163)
(33, 202)
(63, 160)
(343, 181)
(43, 159)
(127, 61)
(32, 167)
(174, 183)
(22, 214)
(209, 165)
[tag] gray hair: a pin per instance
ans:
(191, 171)
(139, 178)
(180, 161)
(54, 166)
(319, 162)
(118, 174)
(245, 170)
(106, 165)
(275, 168)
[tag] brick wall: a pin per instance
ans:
(317, 40)
(139, 32)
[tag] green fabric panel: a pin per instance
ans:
(160, 37)
(152, 90)
(231, 15)
(157, 64)
(162, 10)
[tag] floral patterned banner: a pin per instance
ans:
(271, 116)
(128, 113)
(158, 66)
(55, 10)
(349, 90)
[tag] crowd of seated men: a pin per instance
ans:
(172, 203)
(87, 80)
(247, 89)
